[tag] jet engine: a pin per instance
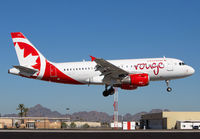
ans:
(136, 79)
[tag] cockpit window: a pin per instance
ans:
(181, 63)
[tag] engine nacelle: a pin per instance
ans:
(128, 87)
(137, 79)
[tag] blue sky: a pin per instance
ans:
(112, 29)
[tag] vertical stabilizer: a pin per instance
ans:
(27, 54)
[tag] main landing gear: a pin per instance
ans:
(109, 91)
(169, 89)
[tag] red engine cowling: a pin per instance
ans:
(136, 79)
(128, 87)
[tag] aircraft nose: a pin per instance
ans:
(191, 71)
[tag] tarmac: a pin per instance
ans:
(99, 134)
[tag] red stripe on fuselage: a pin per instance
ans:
(58, 76)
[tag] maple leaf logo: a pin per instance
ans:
(29, 60)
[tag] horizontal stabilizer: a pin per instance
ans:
(25, 69)
(21, 70)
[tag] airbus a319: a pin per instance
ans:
(128, 74)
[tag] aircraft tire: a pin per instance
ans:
(111, 91)
(105, 93)
(169, 89)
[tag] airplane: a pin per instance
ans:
(128, 74)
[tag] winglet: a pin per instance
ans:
(92, 58)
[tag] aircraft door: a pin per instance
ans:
(53, 72)
(169, 66)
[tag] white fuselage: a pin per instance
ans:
(157, 68)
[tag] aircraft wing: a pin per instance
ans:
(112, 74)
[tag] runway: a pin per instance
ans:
(98, 134)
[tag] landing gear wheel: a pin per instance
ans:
(111, 91)
(105, 93)
(169, 89)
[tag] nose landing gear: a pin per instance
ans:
(169, 89)
(109, 91)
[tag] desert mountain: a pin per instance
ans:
(40, 111)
